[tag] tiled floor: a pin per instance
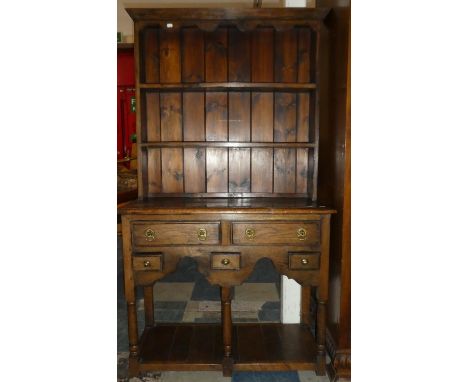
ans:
(185, 296)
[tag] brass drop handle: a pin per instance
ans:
(150, 235)
(146, 263)
(304, 261)
(225, 261)
(202, 234)
(301, 233)
(250, 233)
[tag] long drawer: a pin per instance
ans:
(149, 234)
(292, 233)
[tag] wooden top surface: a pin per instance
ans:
(222, 205)
(168, 14)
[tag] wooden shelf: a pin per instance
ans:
(199, 347)
(231, 86)
(283, 145)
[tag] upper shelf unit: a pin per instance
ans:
(228, 101)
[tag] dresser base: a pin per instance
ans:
(256, 347)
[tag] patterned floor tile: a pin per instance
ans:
(193, 376)
(264, 272)
(256, 292)
(203, 290)
(281, 376)
(173, 291)
(310, 376)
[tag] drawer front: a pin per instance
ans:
(295, 233)
(225, 260)
(147, 263)
(302, 261)
(153, 234)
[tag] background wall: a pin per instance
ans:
(125, 23)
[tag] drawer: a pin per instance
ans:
(299, 261)
(153, 234)
(225, 260)
(276, 233)
(147, 263)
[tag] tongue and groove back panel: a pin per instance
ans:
(228, 112)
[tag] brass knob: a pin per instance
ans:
(301, 233)
(250, 233)
(225, 261)
(146, 263)
(150, 235)
(202, 234)
(304, 261)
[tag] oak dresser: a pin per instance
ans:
(228, 124)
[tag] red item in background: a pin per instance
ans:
(126, 116)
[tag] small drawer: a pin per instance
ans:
(292, 233)
(301, 261)
(225, 260)
(153, 234)
(148, 263)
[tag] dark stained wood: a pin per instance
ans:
(216, 170)
(170, 60)
(194, 170)
(223, 14)
(202, 344)
(235, 14)
(286, 56)
(249, 344)
(239, 116)
(303, 120)
(262, 58)
(194, 116)
(275, 233)
(174, 233)
(304, 46)
(239, 170)
(285, 117)
(271, 339)
(216, 55)
(219, 86)
(151, 60)
(262, 170)
(239, 55)
(216, 116)
(158, 341)
(302, 166)
(284, 170)
(262, 117)
(153, 118)
(193, 55)
(154, 170)
(172, 178)
(228, 146)
(181, 345)
(171, 117)
(168, 205)
(226, 297)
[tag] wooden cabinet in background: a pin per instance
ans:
(230, 108)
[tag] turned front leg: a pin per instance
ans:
(132, 339)
(320, 335)
(226, 320)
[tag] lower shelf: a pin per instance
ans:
(254, 347)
